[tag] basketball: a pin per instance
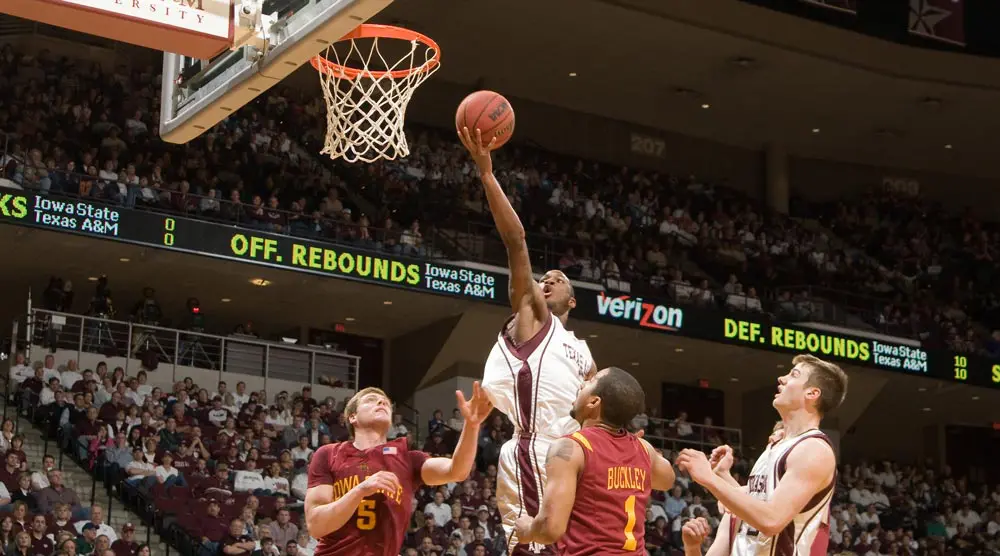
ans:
(489, 112)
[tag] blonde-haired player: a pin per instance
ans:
(536, 367)
(785, 509)
(360, 491)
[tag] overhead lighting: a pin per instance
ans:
(781, 365)
(124, 259)
(260, 282)
(592, 335)
(706, 106)
(387, 302)
(975, 398)
(815, 130)
(921, 389)
(91, 278)
(225, 300)
(948, 146)
(734, 379)
(349, 319)
(679, 350)
(926, 409)
(572, 74)
(635, 363)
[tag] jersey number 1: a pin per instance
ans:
(630, 542)
(366, 515)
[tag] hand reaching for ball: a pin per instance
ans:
(473, 141)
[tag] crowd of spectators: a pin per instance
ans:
(226, 468)
(943, 262)
(79, 130)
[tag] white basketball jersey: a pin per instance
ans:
(536, 383)
(808, 533)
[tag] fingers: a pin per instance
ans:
(460, 397)
(385, 481)
(479, 140)
(640, 433)
(466, 138)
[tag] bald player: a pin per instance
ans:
(600, 477)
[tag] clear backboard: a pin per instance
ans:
(271, 39)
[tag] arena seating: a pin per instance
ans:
(78, 131)
(681, 238)
(883, 508)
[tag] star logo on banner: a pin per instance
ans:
(924, 17)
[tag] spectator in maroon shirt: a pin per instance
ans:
(41, 543)
(219, 481)
(183, 458)
(126, 545)
(85, 430)
(86, 384)
(658, 535)
(109, 411)
(435, 445)
(17, 449)
(430, 529)
(10, 471)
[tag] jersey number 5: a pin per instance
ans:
(630, 542)
(366, 515)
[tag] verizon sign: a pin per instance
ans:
(196, 28)
(205, 17)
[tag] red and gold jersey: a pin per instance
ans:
(612, 491)
(380, 522)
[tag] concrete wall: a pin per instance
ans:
(166, 375)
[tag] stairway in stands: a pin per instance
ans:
(81, 481)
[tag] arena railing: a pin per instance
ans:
(663, 434)
(131, 343)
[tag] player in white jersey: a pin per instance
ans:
(536, 367)
(785, 508)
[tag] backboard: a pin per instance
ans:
(272, 38)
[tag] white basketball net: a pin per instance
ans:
(365, 114)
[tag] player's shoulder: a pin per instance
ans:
(327, 452)
(814, 451)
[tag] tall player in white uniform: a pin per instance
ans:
(536, 367)
(785, 509)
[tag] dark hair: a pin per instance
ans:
(622, 397)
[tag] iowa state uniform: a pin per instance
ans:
(809, 531)
(609, 515)
(535, 385)
(378, 526)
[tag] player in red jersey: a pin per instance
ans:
(360, 491)
(607, 469)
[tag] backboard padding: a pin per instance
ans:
(233, 79)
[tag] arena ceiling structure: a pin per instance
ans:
(765, 77)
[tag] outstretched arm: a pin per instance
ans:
(809, 468)
(524, 291)
(562, 465)
(438, 471)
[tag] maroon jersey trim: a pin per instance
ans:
(525, 350)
